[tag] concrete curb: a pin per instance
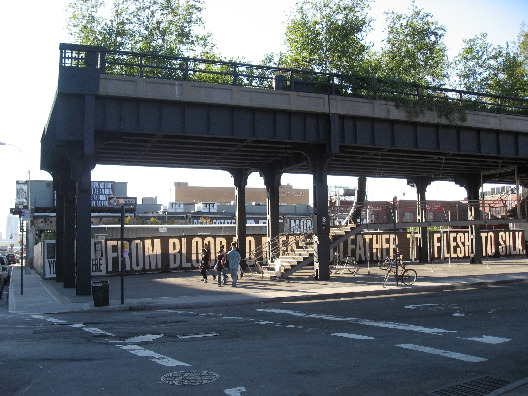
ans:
(244, 299)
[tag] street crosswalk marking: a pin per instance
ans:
(449, 354)
(488, 339)
(155, 357)
(354, 336)
(125, 345)
(364, 322)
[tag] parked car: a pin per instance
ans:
(11, 258)
(6, 271)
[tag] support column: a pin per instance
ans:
(83, 237)
(272, 182)
(359, 204)
(472, 184)
(240, 177)
(321, 222)
(421, 184)
(69, 234)
(59, 231)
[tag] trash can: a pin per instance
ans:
(100, 293)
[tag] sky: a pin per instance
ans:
(249, 29)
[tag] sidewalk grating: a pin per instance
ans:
(475, 387)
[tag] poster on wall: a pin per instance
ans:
(166, 254)
(160, 254)
(21, 198)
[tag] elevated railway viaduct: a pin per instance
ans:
(112, 108)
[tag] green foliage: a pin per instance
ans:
(497, 70)
(152, 26)
(327, 35)
(49, 236)
(322, 36)
(414, 49)
(473, 64)
(205, 220)
(523, 46)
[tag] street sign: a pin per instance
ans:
(122, 201)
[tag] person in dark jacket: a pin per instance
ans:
(205, 263)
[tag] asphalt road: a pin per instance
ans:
(409, 344)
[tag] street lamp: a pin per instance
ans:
(28, 269)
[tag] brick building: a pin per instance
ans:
(225, 195)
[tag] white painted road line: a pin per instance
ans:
(354, 336)
(198, 335)
(364, 322)
(449, 354)
(155, 357)
(144, 338)
(135, 349)
(488, 339)
(235, 391)
(94, 330)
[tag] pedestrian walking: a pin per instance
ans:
(205, 263)
(242, 265)
(220, 266)
(234, 259)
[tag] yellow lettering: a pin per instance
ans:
(152, 254)
(376, 247)
(436, 244)
(174, 253)
(136, 255)
(360, 248)
(368, 247)
(111, 253)
(460, 242)
(502, 243)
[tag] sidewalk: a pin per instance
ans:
(185, 290)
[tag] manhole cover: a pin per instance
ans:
(189, 378)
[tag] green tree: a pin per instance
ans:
(523, 45)
(327, 36)
(473, 64)
(510, 77)
(499, 70)
(414, 49)
(154, 26)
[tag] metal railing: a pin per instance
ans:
(274, 248)
(432, 211)
(268, 77)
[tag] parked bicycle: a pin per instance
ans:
(407, 276)
(348, 265)
(383, 265)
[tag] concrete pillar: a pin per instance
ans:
(421, 184)
(59, 231)
(272, 182)
(240, 177)
(321, 219)
(360, 199)
(472, 183)
(69, 234)
(83, 237)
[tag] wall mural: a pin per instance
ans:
(164, 254)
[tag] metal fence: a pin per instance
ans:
(268, 77)
(380, 212)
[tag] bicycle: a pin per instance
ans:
(383, 265)
(407, 276)
(348, 265)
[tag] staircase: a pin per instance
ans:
(303, 254)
